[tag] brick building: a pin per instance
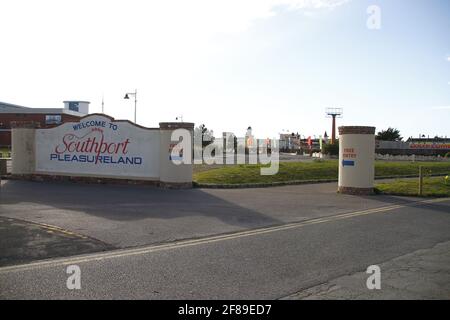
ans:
(44, 117)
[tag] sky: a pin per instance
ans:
(229, 64)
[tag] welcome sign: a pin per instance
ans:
(99, 146)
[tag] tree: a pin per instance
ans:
(391, 134)
(206, 136)
(331, 149)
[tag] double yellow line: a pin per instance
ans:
(55, 229)
(193, 242)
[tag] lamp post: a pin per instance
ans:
(127, 96)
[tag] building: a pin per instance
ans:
(414, 146)
(42, 117)
(290, 141)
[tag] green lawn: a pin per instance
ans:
(4, 152)
(300, 171)
(432, 187)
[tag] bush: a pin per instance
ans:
(447, 155)
(331, 149)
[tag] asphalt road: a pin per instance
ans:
(23, 242)
(128, 216)
(266, 265)
(268, 254)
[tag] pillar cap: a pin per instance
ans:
(356, 130)
(176, 125)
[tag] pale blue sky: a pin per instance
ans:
(273, 65)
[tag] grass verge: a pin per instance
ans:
(301, 171)
(4, 152)
(432, 187)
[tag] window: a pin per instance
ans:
(73, 106)
(53, 119)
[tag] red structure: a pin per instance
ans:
(333, 113)
(45, 117)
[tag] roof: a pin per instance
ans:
(13, 108)
(424, 140)
(10, 106)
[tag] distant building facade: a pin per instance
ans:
(418, 146)
(291, 142)
(42, 117)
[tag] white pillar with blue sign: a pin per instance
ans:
(356, 160)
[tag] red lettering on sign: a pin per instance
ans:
(72, 143)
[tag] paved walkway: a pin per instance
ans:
(423, 274)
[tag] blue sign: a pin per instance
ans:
(348, 163)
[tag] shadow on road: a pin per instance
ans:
(410, 201)
(128, 203)
(22, 242)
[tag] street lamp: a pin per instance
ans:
(127, 96)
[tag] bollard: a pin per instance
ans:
(420, 181)
(3, 166)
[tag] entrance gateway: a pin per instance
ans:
(99, 148)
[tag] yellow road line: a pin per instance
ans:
(211, 239)
(52, 228)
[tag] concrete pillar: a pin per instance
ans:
(23, 150)
(171, 174)
(356, 160)
(3, 167)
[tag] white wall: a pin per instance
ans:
(23, 151)
(359, 150)
(133, 151)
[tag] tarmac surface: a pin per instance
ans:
(126, 216)
(22, 242)
(292, 241)
(423, 274)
